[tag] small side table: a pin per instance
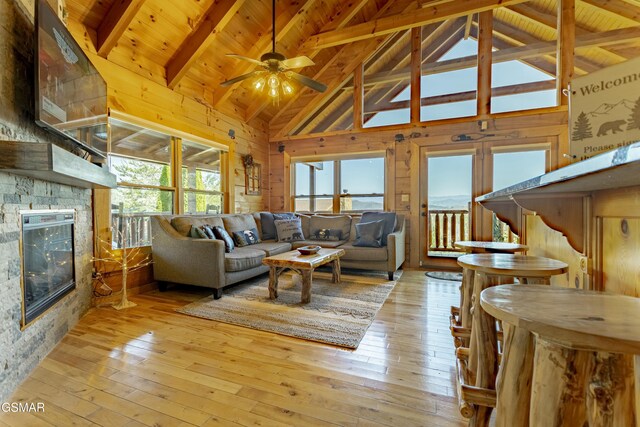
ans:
(584, 340)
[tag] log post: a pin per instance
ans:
(515, 377)
(610, 390)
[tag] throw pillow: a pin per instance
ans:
(221, 234)
(342, 222)
(389, 218)
(268, 227)
(328, 234)
(369, 234)
(202, 232)
(289, 230)
(246, 237)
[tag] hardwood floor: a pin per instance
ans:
(151, 366)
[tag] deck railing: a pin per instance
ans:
(446, 227)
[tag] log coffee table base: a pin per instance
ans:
(303, 265)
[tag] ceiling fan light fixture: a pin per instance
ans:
(274, 81)
(259, 84)
(287, 88)
(273, 92)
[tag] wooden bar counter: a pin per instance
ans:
(583, 373)
(586, 214)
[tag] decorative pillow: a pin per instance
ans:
(221, 234)
(341, 222)
(246, 237)
(369, 234)
(268, 227)
(331, 234)
(289, 230)
(389, 218)
(202, 232)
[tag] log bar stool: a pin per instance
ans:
(460, 319)
(584, 340)
(478, 365)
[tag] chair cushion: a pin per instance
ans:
(369, 234)
(323, 243)
(342, 222)
(183, 224)
(243, 259)
(289, 230)
(389, 218)
(359, 253)
(272, 248)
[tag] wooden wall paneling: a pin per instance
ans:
(416, 235)
(485, 46)
(566, 45)
(620, 249)
(390, 186)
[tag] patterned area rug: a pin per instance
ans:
(338, 314)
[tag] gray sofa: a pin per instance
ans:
(178, 258)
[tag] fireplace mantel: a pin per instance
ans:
(49, 162)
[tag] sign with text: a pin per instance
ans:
(604, 109)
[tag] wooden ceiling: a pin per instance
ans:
(182, 44)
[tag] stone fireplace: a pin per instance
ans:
(48, 267)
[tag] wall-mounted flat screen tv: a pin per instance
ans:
(71, 97)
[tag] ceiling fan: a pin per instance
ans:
(276, 69)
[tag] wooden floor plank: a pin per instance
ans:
(149, 365)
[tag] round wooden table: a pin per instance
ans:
(478, 247)
(583, 364)
(481, 365)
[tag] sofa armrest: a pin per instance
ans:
(185, 260)
(396, 248)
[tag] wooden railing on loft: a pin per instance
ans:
(446, 227)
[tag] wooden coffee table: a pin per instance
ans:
(304, 265)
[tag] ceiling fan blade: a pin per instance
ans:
(297, 62)
(313, 84)
(246, 58)
(240, 78)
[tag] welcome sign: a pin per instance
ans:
(604, 109)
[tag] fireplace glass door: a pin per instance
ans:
(47, 260)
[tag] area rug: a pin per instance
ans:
(445, 275)
(338, 314)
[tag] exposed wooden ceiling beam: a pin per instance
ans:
(606, 38)
(212, 23)
(467, 27)
(629, 10)
(115, 24)
(343, 14)
(538, 17)
(402, 21)
(349, 57)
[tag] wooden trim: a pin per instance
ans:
(566, 46)
(416, 74)
(115, 23)
(358, 96)
(212, 23)
(403, 21)
(485, 45)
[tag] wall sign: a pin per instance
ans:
(604, 109)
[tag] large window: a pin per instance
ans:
(144, 162)
(341, 185)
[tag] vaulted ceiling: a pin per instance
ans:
(183, 45)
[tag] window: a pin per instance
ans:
(201, 179)
(344, 185)
(143, 161)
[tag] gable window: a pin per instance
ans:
(339, 185)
